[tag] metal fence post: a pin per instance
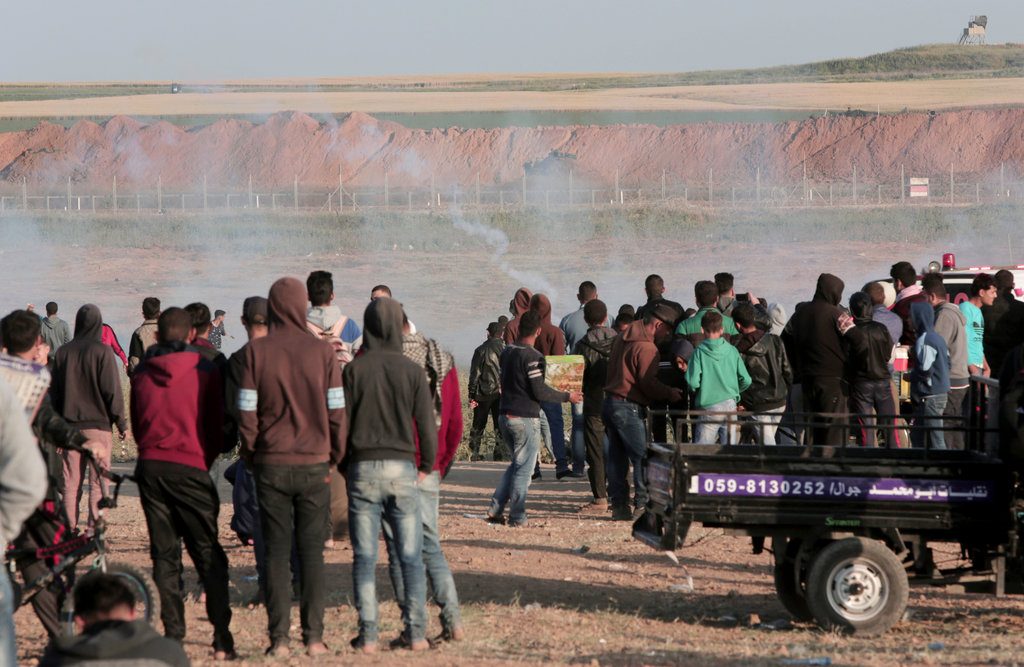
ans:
(114, 193)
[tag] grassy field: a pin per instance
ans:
(887, 96)
(918, 78)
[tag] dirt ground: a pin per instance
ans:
(577, 589)
(886, 95)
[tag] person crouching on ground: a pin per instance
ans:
(389, 405)
(109, 632)
(522, 391)
(717, 376)
(293, 428)
(177, 416)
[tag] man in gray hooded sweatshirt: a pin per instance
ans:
(86, 391)
(951, 324)
(390, 407)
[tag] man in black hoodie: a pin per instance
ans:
(86, 391)
(870, 347)
(813, 333)
(390, 406)
(485, 390)
(596, 348)
(765, 357)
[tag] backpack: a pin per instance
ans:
(342, 350)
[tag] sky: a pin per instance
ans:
(211, 40)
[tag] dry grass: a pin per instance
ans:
(888, 96)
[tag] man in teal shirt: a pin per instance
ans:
(983, 293)
(717, 375)
(706, 293)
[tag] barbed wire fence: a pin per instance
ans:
(563, 191)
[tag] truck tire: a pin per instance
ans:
(857, 586)
(789, 585)
(147, 598)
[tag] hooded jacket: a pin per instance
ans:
(766, 361)
(387, 395)
(596, 349)
(325, 318)
(55, 332)
(178, 407)
(109, 338)
(550, 339)
(633, 368)
(951, 324)
(114, 643)
(86, 388)
(930, 376)
(716, 373)
(869, 345)
(143, 338)
(520, 304)
(291, 405)
(813, 332)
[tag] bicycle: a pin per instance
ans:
(63, 557)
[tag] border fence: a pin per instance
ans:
(544, 192)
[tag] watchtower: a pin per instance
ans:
(974, 33)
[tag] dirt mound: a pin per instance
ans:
(362, 149)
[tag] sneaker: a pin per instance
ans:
(595, 506)
(414, 645)
(536, 475)
(496, 520)
(453, 634)
(621, 513)
(279, 650)
(362, 646)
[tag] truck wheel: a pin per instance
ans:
(790, 574)
(858, 586)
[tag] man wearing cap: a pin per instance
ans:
(632, 385)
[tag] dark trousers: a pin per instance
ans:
(183, 505)
(825, 395)
(486, 406)
(40, 531)
(956, 422)
(294, 499)
(872, 397)
(593, 437)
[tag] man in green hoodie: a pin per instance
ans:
(717, 376)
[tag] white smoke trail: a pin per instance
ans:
(498, 241)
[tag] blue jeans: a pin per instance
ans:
(438, 573)
(386, 490)
(627, 445)
(553, 411)
(927, 431)
(724, 428)
(522, 437)
(8, 647)
(577, 445)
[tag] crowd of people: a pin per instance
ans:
(344, 430)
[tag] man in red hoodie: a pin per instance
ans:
(444, 388)
(177, 416)
(293, 426)
(520, 304)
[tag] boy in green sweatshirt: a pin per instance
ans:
(717, 376)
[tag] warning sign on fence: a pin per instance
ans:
(918, 187)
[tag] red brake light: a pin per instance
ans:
(948, 261)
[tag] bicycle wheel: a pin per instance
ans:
(147, 599)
